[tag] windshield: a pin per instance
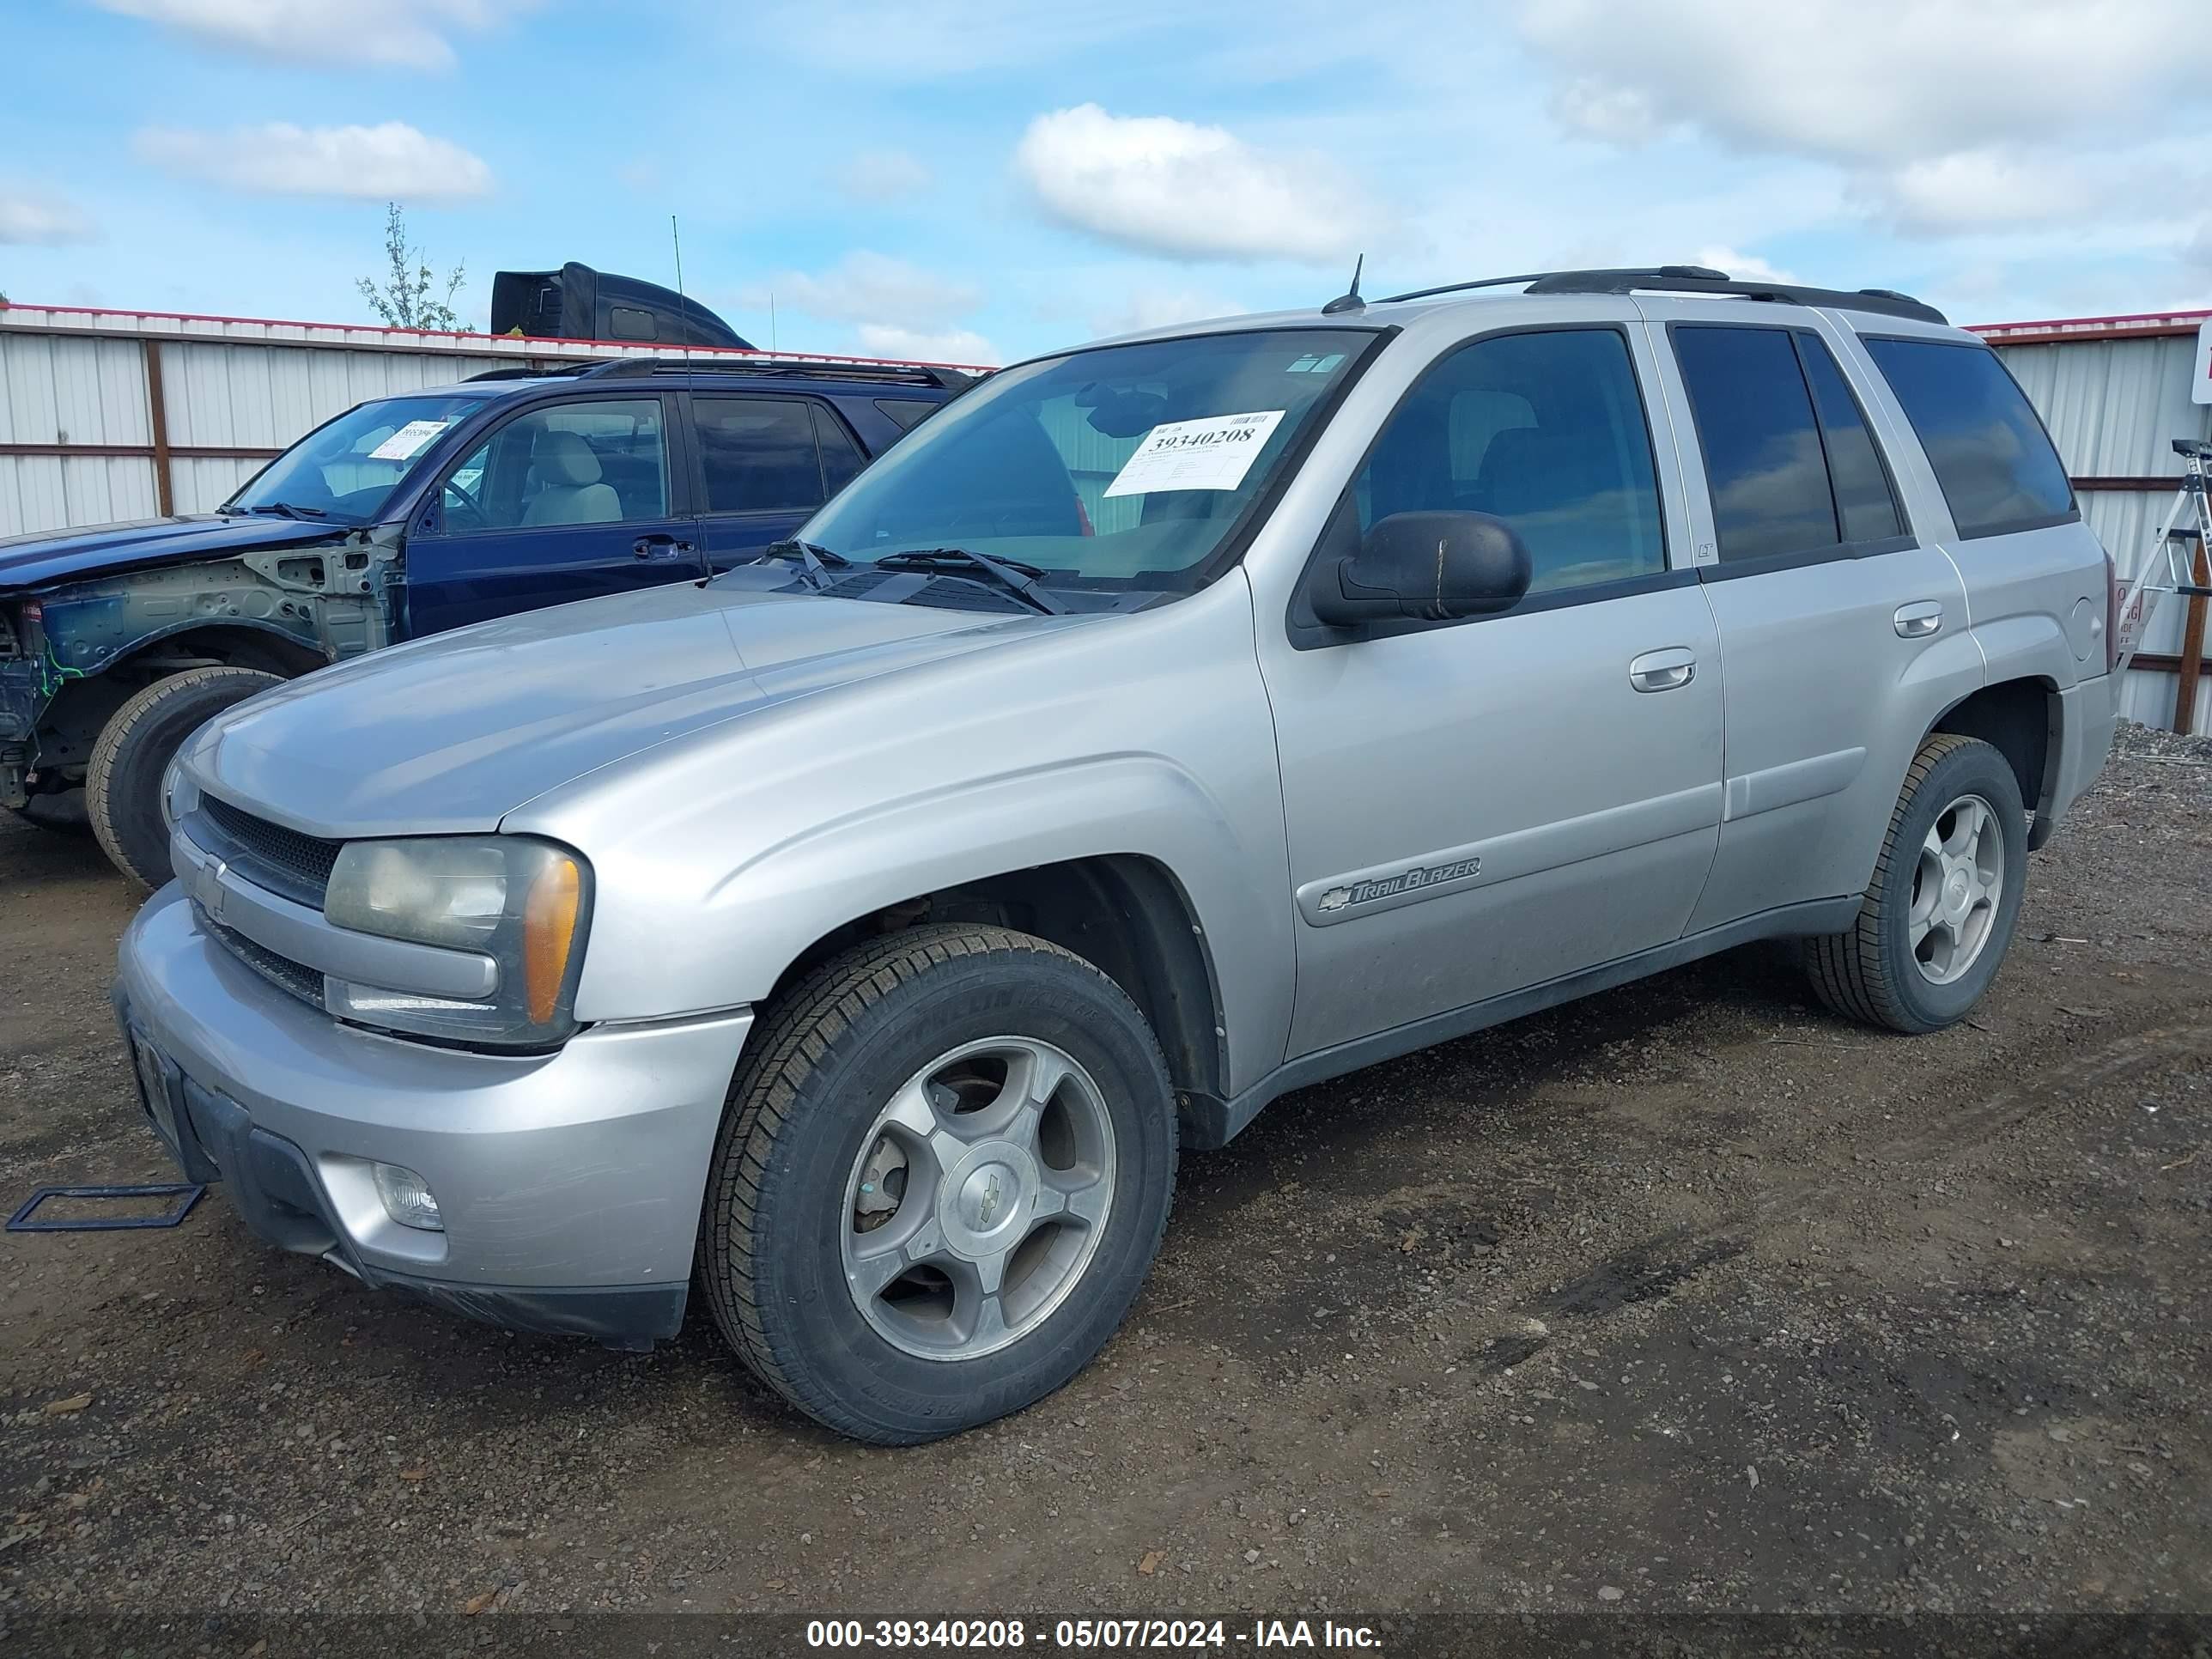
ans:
(343, 472)
(1126, 467)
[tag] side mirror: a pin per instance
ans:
(1431, 566)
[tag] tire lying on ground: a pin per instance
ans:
(944, 1170)
(1944, 897)
(122, 783)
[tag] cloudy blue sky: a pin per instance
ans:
(979, 179)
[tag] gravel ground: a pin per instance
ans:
(1685, 1299)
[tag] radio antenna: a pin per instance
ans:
(677, 240)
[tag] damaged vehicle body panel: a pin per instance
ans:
(72, 651)
(513, 491)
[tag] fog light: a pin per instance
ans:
(407, 1198)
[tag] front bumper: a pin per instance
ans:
(569, 1183)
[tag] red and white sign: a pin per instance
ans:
(2200, 385)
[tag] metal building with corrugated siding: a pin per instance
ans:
(2115, 392)
(110, 416)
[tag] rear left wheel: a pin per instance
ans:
(945, 1170)
(1940, 911)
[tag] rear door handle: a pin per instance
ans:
(1919, 620)
(660, 546)
(1664, 670)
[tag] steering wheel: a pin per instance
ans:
(458, 502)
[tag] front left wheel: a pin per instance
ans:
(944, 1172)
(123, 781)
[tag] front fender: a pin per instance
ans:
(721, 857)
(755, 920)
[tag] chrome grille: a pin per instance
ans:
(285, 861)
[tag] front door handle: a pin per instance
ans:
(1663, 671)
(660, 546)
(1919, 620)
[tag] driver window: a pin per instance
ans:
(604, 461)
(1546, 431)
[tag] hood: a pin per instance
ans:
(450, 733)
(36, 561)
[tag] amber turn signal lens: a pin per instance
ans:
(548, 930)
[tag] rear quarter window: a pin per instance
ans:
(906, 413)
(1991, 454)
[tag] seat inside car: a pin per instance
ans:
(569, 488)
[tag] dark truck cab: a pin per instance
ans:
(406, 516)
(579, 303)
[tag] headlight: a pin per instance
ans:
(522, 902)
(180, 794)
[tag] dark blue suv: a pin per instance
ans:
(403, 517)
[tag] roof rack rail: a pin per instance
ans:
(819, 369)
(1698, 279)
(951, 379)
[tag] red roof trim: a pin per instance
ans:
(509, 340)
(2086, 323)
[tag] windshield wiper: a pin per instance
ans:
(814, 559)
(1009, 576)
(290, 510)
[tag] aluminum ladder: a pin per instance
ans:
(2173, 555)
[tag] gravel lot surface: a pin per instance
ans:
(1684, 1298)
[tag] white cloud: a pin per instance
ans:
(1947, 116)
(1140, 308)
(1973, 190)
(395, 34)
(868, 287)
(951, 345)
(1170, 186)
(389, 162)
(938, 40)
(1869, 81)
(1603, 109)
(29, 219)
(1745, 267)
(895, 309)
(883, 176)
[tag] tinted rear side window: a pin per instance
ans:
(1991, 454)
(1763, 457)
(758, 454)
(1864, 501)
(840, 456)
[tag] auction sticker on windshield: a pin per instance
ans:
(402, 445)
(1215, 454)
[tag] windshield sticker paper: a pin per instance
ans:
(403, 444)
(1215, 454)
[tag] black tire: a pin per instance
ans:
(123, 782)
(1868, 971)
(59, 814)
(819, 1067)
